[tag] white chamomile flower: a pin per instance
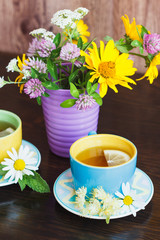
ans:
(2, 82)
(39, 31)
(12, 65)
(20, 163)
(129, 200)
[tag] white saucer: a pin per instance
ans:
(37, 156)
(64, 192)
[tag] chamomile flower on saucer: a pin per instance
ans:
(20, 163)
(129, 200)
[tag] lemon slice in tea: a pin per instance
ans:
(115, 157)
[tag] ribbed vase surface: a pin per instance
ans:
(66, 125)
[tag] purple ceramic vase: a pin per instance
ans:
(66, 125)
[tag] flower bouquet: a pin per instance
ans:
(67, 62)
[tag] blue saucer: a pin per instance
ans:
(37, 156)
(64, 192)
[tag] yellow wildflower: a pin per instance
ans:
(152, 71)
(109, 67)
(132, 30)
(20, 66)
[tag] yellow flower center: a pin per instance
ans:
(107, 69)
(19, 165)
(127, 200)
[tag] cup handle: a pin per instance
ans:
(92, 133)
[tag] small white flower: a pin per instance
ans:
(129, 200)
(81, 192)
(2, 82)
(38, 31)
(99, 193)
(48, 36)
(20, 163)
(12, 66)
(26, 74)
(93, 208)
(82, 11)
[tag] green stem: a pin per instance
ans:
(137, 54)
(64, 68)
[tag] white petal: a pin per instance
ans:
(120, 195)
(11, 155)
(12, 177)
(9, 173)
(6, 168)
(133, 210)
(126, 189)
(121, 203)
(8, 161)
(31, 161)
(31, 167)
(28, 172)
(17, 176)
(15, 153)
(138, 204)
(25, 152)
(126, 208)
(20, 150)
(31, 154)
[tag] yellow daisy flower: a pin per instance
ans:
(20, 66)
(109, 67)
(152, 71)
(131, 29)
(80, 31)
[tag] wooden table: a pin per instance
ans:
(30, 215)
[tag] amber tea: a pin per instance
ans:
(97, 157)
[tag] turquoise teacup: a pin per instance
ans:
(110, 178)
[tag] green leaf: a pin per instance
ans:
(80, 43)
(97, 98)
(36, 183)
(2, 173)
(73, 75)
(87, 77)
(52, 68)
(74, 91)
(39, 100)
(34, 73)
(68, 103)
(107, 38)
(85, 46)
(22, 184)
(136, 43)
(94, 88)
(45, 94)
(122, 49)
(89, 87)
(143, 31)
(81, 59)
(57, 39)
(50, 85)
(55, 52)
